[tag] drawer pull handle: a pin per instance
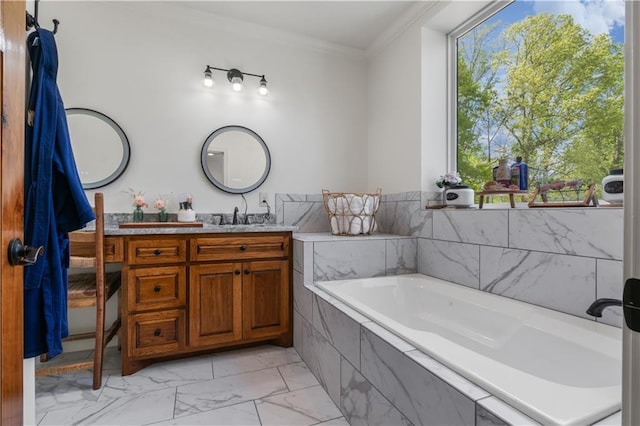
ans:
(157, 289)
(157, 332)
(247, 272)
(237, 271)
(281, 246)
(243, 247)
(157, 252)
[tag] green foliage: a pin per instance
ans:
(544, 89)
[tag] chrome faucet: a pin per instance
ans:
(599, 305)
(235, 216)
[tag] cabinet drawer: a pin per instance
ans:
(239, 248)
(156, 288)
(155, 251)
(156, 333)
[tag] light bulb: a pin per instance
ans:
(235, 78)
(263, 90)
(208, 77)
(236, 84)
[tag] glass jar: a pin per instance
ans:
(503, 174)
(163, 216)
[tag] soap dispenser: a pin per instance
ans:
(186, 213)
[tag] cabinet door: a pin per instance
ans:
(215, 304)
(265, 293)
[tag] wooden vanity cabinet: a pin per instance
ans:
(188, 293)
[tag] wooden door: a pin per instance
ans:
(12, 96)
(265, 294)
(215, 304)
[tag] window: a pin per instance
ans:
(542, 81)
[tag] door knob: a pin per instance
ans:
(23, 255)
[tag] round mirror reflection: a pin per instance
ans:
(235, 159)
(100, 147)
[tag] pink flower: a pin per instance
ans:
(138, 201)
(160, 204)
(138, 198)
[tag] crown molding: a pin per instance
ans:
(420, 11)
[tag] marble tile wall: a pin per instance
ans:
(398, 213)
(374, 377)
(561, 259)
(324, 257)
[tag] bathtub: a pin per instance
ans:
(553, 367)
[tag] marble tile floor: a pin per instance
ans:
(264, 385)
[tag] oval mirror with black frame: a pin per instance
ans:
(235, 159)
(100, 147)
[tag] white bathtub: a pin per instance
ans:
(556, 368)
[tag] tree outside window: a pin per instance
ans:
(542, 87)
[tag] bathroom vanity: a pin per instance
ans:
(192, 290)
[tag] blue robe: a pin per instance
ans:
(55, 202)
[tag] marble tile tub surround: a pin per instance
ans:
(561, 259)
(324, 257)
(375, 377)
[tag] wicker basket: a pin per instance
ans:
(351, 213)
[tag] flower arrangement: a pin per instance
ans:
(138, 198)
(451, 178)
(160, 203)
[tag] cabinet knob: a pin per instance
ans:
(157, 252)
(243, 247)
(157, 289)
(237, 271)
(157, 332)
(247, 272)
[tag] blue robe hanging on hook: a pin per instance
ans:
(55, 202)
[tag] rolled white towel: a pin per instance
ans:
(366, 224)
(342, 205)
(332, 205)
(355, 225)
(369, 204)
(356, 204)
(335, 228)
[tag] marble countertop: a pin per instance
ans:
(205, 229)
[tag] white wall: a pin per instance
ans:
(407, 92)
(142, 63)
(394, 94)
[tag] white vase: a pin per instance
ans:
(186, 216)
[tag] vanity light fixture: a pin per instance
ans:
(236, 78)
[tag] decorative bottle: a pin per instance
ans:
(503, 174)
(520, 174)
